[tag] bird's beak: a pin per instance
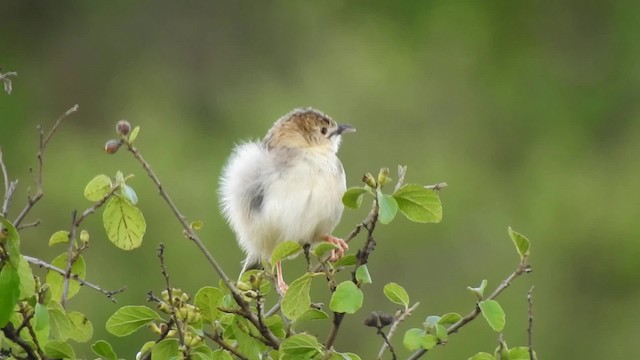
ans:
(345, 129)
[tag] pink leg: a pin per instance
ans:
(282, 286)
(342, 247)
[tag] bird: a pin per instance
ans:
(287, 187)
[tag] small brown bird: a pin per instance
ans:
(289, 186)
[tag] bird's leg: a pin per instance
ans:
(282, 286)
(342, 247)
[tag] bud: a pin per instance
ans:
(185, 297)
(112, 146)
(383, 176)
(165, 295)
(369, 180)
(243, 286)
(123, 127)
(84, 236)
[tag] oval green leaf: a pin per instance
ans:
(27, 282)
(59, 322)
(413, 339)
(207, 300)
(59, 237)
(297, 300)
(284, 250)
(124, 223)
(56, 349)
(300, 346)
(9, 236)
(419, 204)
(352, 198)
(166, 349)
(493, 313)
(323, 248)
(129, 319)
(97, 188)
(41, 323)
(347, 298)
(10, 285)
(220, 355)
(82, 328)
(521, 242)
(104, 349)
(56, 280)
(397, 294)
(362, 275)
(347, 260)
(449, 319)
(388, 208)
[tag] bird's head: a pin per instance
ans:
(306, 129)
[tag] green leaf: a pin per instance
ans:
(27, 282)
(352, 198)
(129, 319)
(493, 313)
(146, 348)
(449, 319)
(429, 341)
(82, 329)
(284, 250)
(413, 339)
(482, 356)
(431, 321)
(130, 194)
(104, 349)
(134, 134)
(166, 349)
(521, 243)
(10, 285)
(419, 204)
(59, 237)
(10, 237)
(478, 291)
(41, 323)
(312, 314)
(60, 325)
(388, 208)
(56, 349)
(520, 353)
(323, 248)
(220, 355)
(347, 298)
(247, 345)
(207, 300)
(362, 275)
(124, 223)
(297, 300)
(441, 332)
(397, 294)
(98, 188)
(347, 260)
(56, 280)
(276, 325)
(300, 346)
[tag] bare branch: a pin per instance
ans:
(9, 187)
(46, 265)
(530, 326)
(165, 274)
(43, 140)
(29, 225)
(403, 314)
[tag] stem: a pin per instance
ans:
(403, 315)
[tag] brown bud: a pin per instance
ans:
(123, 127)
(112, 146)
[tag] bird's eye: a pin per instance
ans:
(323, 131)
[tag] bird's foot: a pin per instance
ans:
(342, 247)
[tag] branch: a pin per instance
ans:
(44, 140)
(223, 344)
(399, 318)
(46, 265)
(9, 187)
(530, 326)
(191, 235)
(165, 274)
(11, 334)
(523, 268)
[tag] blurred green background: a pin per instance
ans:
(528, 110)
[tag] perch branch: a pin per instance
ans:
(392, 330)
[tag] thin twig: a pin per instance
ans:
(223, 344)
(530, 326)
(523, 268)
(500, 346)
(165, 274)
(108, 293)
(9, 186)
(193, 236)
(28, 225)
(42, 144)
(398, 319)
(71, 258)
(387, 343)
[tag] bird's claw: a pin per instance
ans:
(339, 252)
